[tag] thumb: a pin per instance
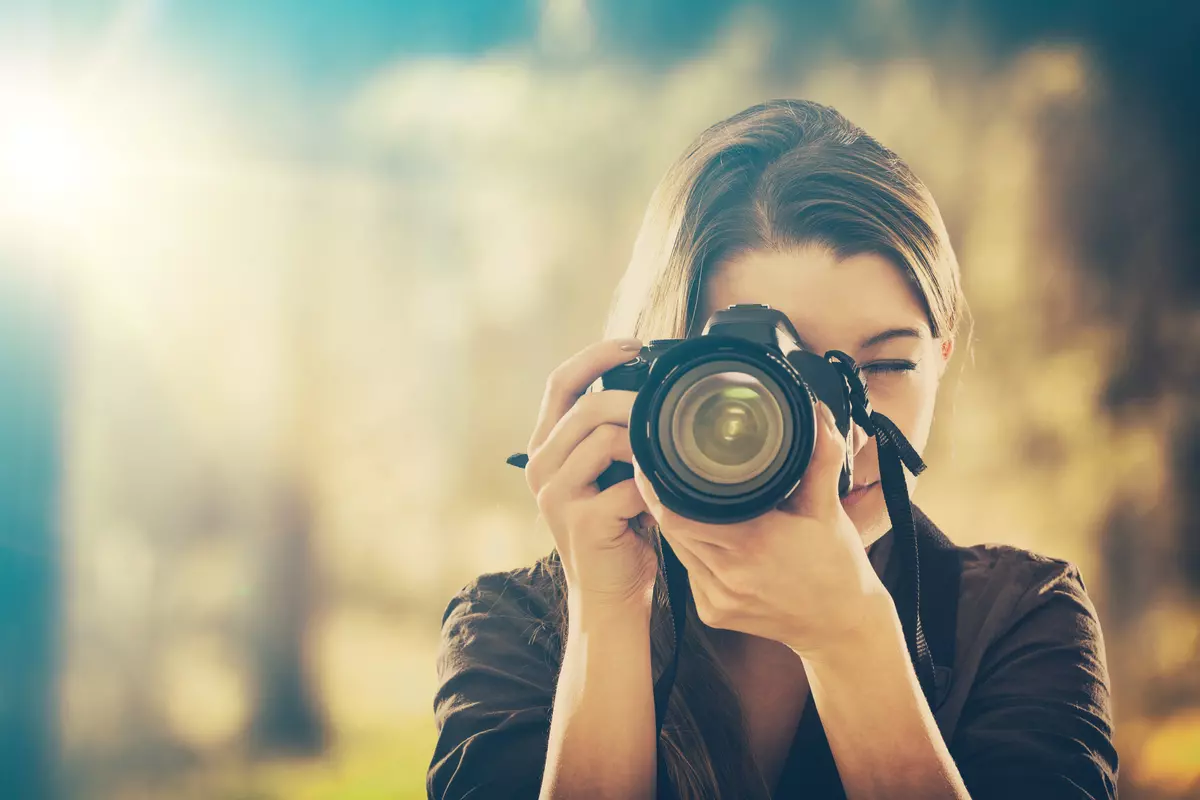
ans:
(817, 494)
(655, 510)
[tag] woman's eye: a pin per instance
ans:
(880, 367)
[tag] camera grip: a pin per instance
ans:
(628, 377)
(616, 472)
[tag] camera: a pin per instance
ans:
(724, 423)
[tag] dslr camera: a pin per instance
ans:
(724, 423)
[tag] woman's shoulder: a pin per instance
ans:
(1012, 598)
(496, 667)
(1005, 576)
(531, 590)
(998, 581)
(1030, 683)
(511, 611)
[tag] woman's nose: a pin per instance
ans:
(858, 438)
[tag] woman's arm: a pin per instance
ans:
(1036, 723)
(602, 731)
(880, 730)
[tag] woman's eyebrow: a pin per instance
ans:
(889, 334)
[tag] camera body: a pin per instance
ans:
(724, 424)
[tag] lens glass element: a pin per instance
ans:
(727, 427)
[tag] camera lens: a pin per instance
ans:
(727, 427)
(723, 427)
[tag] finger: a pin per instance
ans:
(571, 379)
(588, 414)
(688, 554)
(705, 587)
(722, 536)
(605, 444)
(621, 501)
(817, 494)
(610, 514)
(652, 502)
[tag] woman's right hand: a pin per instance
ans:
(577, 435)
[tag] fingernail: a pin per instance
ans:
(630, 345)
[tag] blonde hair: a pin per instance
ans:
(775, 176)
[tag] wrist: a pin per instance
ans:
(874, 624)
(591, 614)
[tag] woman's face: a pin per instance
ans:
(863, 306)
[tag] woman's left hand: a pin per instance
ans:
(798, 574)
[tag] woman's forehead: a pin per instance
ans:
(832, 302)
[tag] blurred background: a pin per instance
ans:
(280, 284)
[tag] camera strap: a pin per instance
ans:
(896, 454)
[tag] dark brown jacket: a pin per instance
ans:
(1024, 707)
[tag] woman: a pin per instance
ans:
(794, 678)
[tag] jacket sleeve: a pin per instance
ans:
(1038, 721)
(496, 678)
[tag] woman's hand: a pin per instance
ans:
(577, 436)
(798, 574)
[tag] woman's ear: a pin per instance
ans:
(947, 350)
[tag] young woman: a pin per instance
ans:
(794, 678)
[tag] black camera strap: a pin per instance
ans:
(896, 454)
(678, 590)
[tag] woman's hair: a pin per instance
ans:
(778, 175)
